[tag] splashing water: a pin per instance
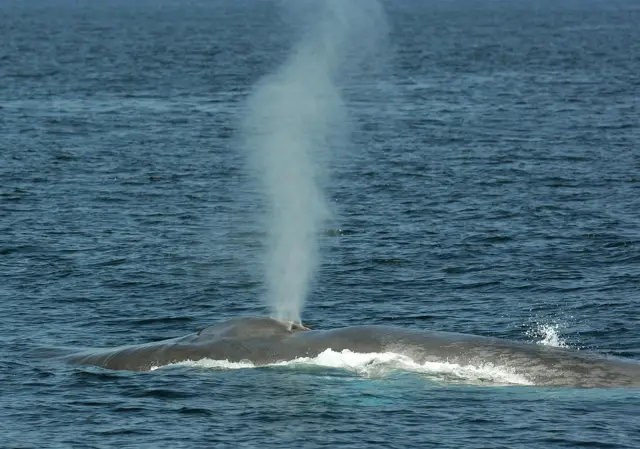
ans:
(382, 364)
(295, 116)
(547, 335)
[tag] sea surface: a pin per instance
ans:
(491, 186)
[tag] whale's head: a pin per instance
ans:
(252, 327)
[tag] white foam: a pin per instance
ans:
(383, 364)
(380, 364)
(211, 364)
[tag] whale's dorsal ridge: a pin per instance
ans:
(252, 327)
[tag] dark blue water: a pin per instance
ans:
(491, 187)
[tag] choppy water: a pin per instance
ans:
(491, 188)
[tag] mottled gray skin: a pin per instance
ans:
(266, 340)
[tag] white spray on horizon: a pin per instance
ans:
(295, 117)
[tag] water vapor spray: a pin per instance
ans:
(295, 118)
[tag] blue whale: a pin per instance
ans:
(262, 341)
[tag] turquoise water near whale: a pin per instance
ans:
(491, 187)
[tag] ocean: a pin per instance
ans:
(485, 181)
